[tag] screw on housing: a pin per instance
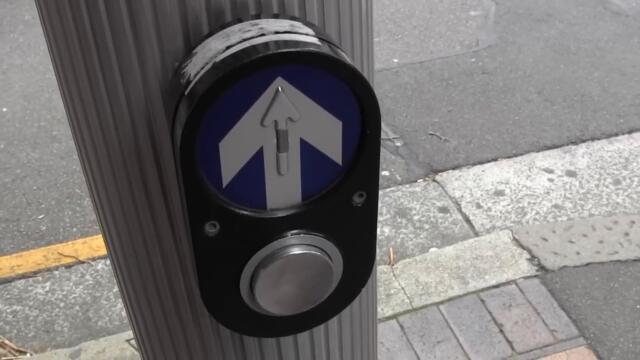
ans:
(211, 228)
(359, 198)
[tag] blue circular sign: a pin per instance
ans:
(279, 137)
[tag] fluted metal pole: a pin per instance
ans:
(114, 60)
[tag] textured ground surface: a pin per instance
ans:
(461, 82)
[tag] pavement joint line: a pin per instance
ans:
(404, 291)
(48, 257)
(453, 333)
(536, 262)
(532, 258)
(456, 203)
(493, 318)
(406, 335)
(535, 309)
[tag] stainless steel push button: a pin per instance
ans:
(293, 279)
(291, 275)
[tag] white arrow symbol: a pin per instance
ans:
(296, 117)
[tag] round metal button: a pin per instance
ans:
(291, 275)
(293, 279)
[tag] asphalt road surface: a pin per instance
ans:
(604, 301)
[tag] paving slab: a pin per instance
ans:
(392, 343)
(604, 302)
(554, 317)
(463, 268)
(414, 218)
(561, 72)
(581, 242)
(422, 30)
(517, 319)
(598, 178)
(476, 330)
(430, 335)
(62, 308)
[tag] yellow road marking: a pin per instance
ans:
(52, 256)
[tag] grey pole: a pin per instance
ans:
(113, 60)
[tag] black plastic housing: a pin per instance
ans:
(243, 232)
